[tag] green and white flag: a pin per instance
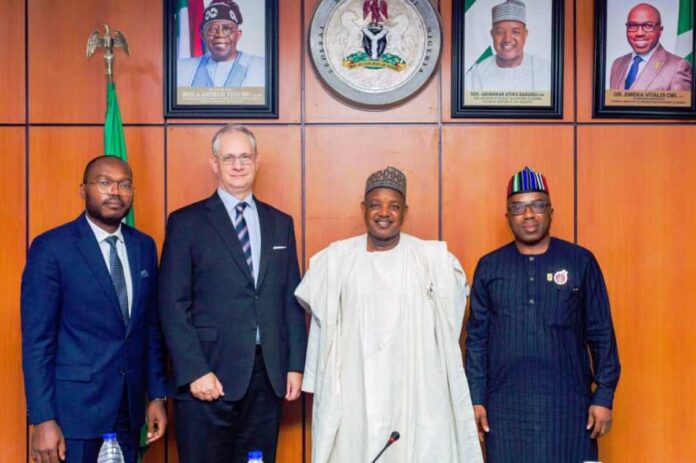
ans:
(114, 140)
(685, 29)
(481, 50)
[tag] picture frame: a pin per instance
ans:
(524, 78)
(662, 83)
(216, 67)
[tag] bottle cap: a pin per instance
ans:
(255, 455)
(109, 436)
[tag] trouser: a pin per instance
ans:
(225, 431)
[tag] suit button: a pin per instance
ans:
(123, 372)
(256, 297)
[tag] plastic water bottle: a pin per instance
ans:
(255, 456)
(110, 451)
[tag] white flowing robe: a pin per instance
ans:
(534, 74)
(384, 354)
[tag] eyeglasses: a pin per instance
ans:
(646, 26)
(124, 188)
(244, 159)
(537, 206)
(223, 30)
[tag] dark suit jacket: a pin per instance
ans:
(209, 305)
(77, 353)
(663, 71)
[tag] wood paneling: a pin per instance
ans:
(635, 213)
(12, 257)
(12, 74)
(568, 62)
(322, 106)
(57, 159)
(66, 87)
(477, 164)
(338, 162)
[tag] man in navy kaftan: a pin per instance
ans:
(541, 361)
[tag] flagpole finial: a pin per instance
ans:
(109, 41)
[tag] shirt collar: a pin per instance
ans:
(231, 201)
(646, 56)
(102, 234)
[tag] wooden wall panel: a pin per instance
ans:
(57, 158)
(321, 106)
(635, 212)
(568, 62)
(338, 162)
(12, 58)
(477, 164)
(191, 179)
(66, 87)
(12, 258)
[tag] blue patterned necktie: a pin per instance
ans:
(240, 227)
(633, 72)
(118, 277)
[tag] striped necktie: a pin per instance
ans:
(118, 277)
(240, 227)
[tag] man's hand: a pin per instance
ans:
(598, 420)
(207, 388)
(156, 417)
(47, 443)
(294, 386)
(481, 420)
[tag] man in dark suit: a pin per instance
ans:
(236, 334)
(91, 343)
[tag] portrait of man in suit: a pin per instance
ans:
(649, 66)
(223, 64)
(92, 350)
(236, 334)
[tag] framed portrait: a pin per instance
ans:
(221, 58)
(507, 59)
(643, 59)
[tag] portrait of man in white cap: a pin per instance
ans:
(223, 64)
(510, 67)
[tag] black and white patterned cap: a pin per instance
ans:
(391, 177)
(511, 10)
(222, 10)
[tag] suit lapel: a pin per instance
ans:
(89, 248)
(267, 225)
(222, 224)
(623, 71)
(133, 251)
(652, 68)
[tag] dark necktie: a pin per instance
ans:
(118, 277)
(240, 227)
(633, 72)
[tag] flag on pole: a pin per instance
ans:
(685, 28)
(114, 140)
(183, 36)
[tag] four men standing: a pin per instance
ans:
(386, 314)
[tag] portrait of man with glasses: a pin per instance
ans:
(223, 64)
(648, 66)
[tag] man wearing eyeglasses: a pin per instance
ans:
(649, 66)
(223, 65)
(235, 332)
(92, 351)
(541, 358)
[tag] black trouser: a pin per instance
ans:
(225, 431)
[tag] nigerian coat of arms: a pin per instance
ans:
(375, 53)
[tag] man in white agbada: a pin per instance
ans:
(383, 355)
(510, 68)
